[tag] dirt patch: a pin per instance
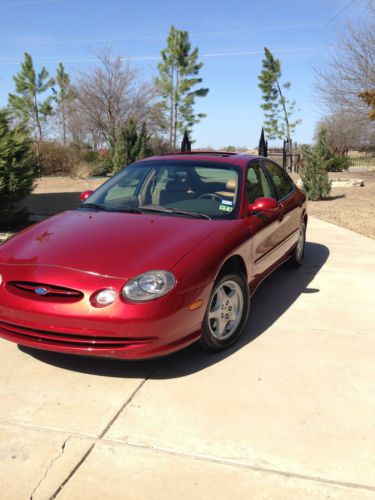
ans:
(350, 207)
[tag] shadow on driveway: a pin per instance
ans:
(274, 296)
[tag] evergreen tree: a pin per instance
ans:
(316, 161)
(130, 145)
(179, 71)
(278, 109)
(17, 167)
(63, 96)
(25, 104)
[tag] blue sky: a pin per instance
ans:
(230, 37)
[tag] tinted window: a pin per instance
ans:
(283, 183)
(257, 185)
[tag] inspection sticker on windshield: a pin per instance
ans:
(227, 202)
(225, 208)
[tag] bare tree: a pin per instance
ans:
(79, 128)
(110, 94)
(344, 132)
(350, 71)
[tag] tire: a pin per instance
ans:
(227, 312)
(296, 257)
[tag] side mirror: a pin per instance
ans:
(86, 194)
(262, 205)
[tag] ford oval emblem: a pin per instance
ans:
(41, 290)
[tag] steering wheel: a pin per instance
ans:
(210, 196)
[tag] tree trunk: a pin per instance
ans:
(286, 123)
(171, 110)
(175, 120)
(37, 154)
(37, 120)
(64, 123)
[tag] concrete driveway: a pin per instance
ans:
(289, 413)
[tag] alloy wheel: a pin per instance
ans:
(225, 310)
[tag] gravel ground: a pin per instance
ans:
(353, 207)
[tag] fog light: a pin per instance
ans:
(104, 297)
(1, 279)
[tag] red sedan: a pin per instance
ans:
(165, 253)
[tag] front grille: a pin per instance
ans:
(92, 342)
(47, 291)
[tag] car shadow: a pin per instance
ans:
(48, 204)
(335, 197)
(272, 299)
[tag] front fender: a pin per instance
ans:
(203, 263)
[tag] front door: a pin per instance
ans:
(288, 227)
(262, 225)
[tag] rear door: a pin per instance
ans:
(285, 194)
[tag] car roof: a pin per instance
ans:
(240, 159)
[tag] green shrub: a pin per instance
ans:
(55, 159)
(101, 167)
(17, 169)
(338, 164)
(132, 143)
(314, 171)
(77, 160)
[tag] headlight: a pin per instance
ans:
(149, 286)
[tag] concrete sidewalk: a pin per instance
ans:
(288, 413)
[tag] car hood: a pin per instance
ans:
(107, 243)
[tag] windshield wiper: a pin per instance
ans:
(93, 205)
(169, 210)
(121, 208)
(127, 208)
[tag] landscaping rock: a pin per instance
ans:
(336, 183)
(4, 236)
(340, 183)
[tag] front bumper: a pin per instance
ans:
(122, 330)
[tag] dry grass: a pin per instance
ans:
(353, 208)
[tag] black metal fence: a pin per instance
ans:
(289, 161)
(288, 157)
(361, 159)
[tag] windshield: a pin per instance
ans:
(186, 189)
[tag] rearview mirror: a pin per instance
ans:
(86, 194)
(262, 205)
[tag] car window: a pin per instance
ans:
(184, 186)
(283, 183)
(257, 185)
(127, 187)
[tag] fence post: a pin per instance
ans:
(263, 145)
(186, 144)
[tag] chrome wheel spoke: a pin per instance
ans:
(222, 323)
(220, 296)
(215, 314)
(235, 304)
